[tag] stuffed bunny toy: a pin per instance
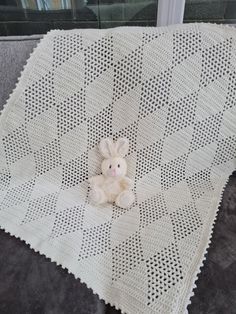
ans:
(113, 185)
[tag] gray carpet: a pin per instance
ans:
(31, 284)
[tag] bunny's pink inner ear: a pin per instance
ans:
(122, 147)
(106, 147)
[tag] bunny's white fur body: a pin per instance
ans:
(113, 185)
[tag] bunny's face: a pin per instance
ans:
(114, 164)
(114, 167)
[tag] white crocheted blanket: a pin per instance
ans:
(171, 91)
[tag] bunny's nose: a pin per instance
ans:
(113, 172)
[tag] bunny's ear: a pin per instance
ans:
(122, 147)
(106, 147)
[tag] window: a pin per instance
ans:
(23, 17)
(215, 11)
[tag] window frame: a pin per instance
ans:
(170, 12)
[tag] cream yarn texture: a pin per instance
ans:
(171, 92)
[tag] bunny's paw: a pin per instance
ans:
(97, 196)
(125, 199)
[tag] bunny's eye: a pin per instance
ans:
(118, 166)
(110, 167)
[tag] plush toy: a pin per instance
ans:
(113, 185)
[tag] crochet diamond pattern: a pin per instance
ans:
(171, 92)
